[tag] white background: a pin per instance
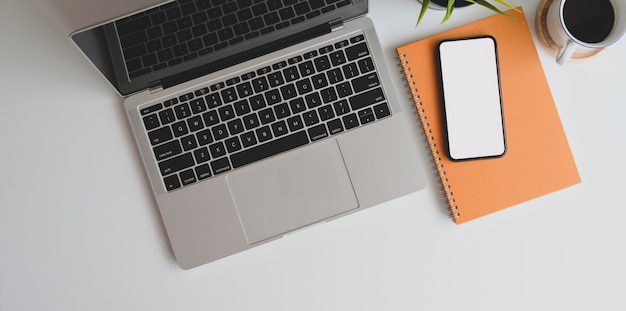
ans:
(79, 229)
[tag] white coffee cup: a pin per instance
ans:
(582, 26)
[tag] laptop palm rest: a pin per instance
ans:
(291, 191)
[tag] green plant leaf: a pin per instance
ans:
(483, 3)
(507, 4)
(488, 5)
(449, 10)
(425, 4)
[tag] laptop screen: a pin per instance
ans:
(181, 40)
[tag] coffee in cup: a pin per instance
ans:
(580, 26)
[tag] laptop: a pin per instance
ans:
(255, 119)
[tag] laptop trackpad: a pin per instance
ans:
(292, 191)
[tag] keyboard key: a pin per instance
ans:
(124, 29)
(213, 100)
(203, 171)
(167, 116)
(337, 58)
(319, 81)
(235, 126)
(350, 70)
(135, 38)
(220, 166)
(307, 68)
(366, 82)
(302, 8)
(310, 118)
(264, 134)
(326, 112)
(341, 107)
(335, 126)
(135, 51)
(204, 137)
(282, 111)
(267, 116)
(168, 150)
(260, 84)
(210, 118)
(329, 94)
(288, 91)
(350, 121)
(366, 65)
(343, 90)
(295, 123)
(173, 13)
(297, 105)
(171, 182)
(219, 132)
(279, 65)
(201, 92)
(304, 86)
(356, 39)
(366, 115)
(318, 132)
(229, 95)
(357, 51)
(279, 128)
(217, 150)
(287, 13)
(189, 142)
(151, 122)
(233, 144)
(275, 79)
(368, 98)
(251, 121)
(248, 139)
(182, 111)
(202, 155)
(180, 128)
(326, 49)
(187, 177)
(275, 147)
(381, 111)
(244, 90)
(233, 81)
(226, 112)
(322, 63)
(160, 135)
(313, 100)
(176, 164)
(198, 105)
(334, 76)
(242, 107)
(259, 9)
(291, 74)
(273, 97)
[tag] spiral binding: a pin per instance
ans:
(432, 146)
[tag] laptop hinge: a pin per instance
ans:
(155, 86)
(336, 24)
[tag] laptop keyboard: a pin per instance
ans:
(265, 112)
(183, 30)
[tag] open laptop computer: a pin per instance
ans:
(257, 118)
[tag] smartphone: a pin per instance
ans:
(472, 101)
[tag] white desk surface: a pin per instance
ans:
(79, 229)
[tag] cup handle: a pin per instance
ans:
(565, 53)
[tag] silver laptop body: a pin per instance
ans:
(223, 186)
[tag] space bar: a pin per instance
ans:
(269, 149)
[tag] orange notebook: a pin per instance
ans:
(538, 159)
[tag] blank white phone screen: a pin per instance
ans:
(471, 96)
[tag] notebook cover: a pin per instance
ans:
(538, 160)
